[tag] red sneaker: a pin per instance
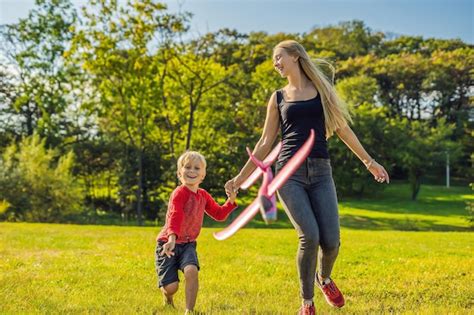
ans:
(332, 294)
(307, 309)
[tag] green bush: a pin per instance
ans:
(37, 184)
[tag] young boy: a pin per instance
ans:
(176, 248)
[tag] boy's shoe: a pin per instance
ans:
(332, 294)
(307, 309)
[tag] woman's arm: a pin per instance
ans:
(263, 146)
(350, 139)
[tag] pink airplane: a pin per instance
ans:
(266, 200)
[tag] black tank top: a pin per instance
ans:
(296, 121)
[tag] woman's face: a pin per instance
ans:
(283, 63)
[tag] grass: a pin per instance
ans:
(398, 259)
(437, 208)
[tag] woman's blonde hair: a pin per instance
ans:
(336, 112)
(190, 156)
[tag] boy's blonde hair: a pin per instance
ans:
(190, 156)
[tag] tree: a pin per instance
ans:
(371, 125)
(124, 51)
(451, 79)
(33, 50)
(417, 44)
(195, 76)
(8, 117)
(345, 40)
(422, 146)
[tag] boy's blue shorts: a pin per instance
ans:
(167, 268)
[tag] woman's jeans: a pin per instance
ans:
(310, 201)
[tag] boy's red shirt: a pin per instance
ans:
(186, 212)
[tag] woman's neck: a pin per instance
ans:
(297, 81)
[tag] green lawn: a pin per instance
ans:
(390, 262)
(437, 208)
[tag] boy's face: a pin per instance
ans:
(192, 173)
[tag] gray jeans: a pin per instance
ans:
(310, 201)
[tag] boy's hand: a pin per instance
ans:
(168, 248)
(231, 195)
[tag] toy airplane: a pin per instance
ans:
(266, 200)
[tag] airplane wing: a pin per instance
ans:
(256, 174)
(243, 218)
(290, 167)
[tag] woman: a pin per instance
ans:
(309, 101)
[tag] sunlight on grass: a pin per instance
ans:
(96, 269)
(467, 197)
(437, 209)
(397, 256)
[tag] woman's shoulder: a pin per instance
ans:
(280, 90)
(277, 96)
(281, 93)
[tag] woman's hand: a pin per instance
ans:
(379, 172)
(230, 187)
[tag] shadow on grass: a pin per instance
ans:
(423, 207)
(406, 224)
(357, 222)
(434, 201)
(257, 223)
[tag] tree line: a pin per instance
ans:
(96, 105)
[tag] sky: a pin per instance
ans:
(446, 19)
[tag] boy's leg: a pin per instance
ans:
(191, 286)
(189, 264)
(168, 291)
(167, 271)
